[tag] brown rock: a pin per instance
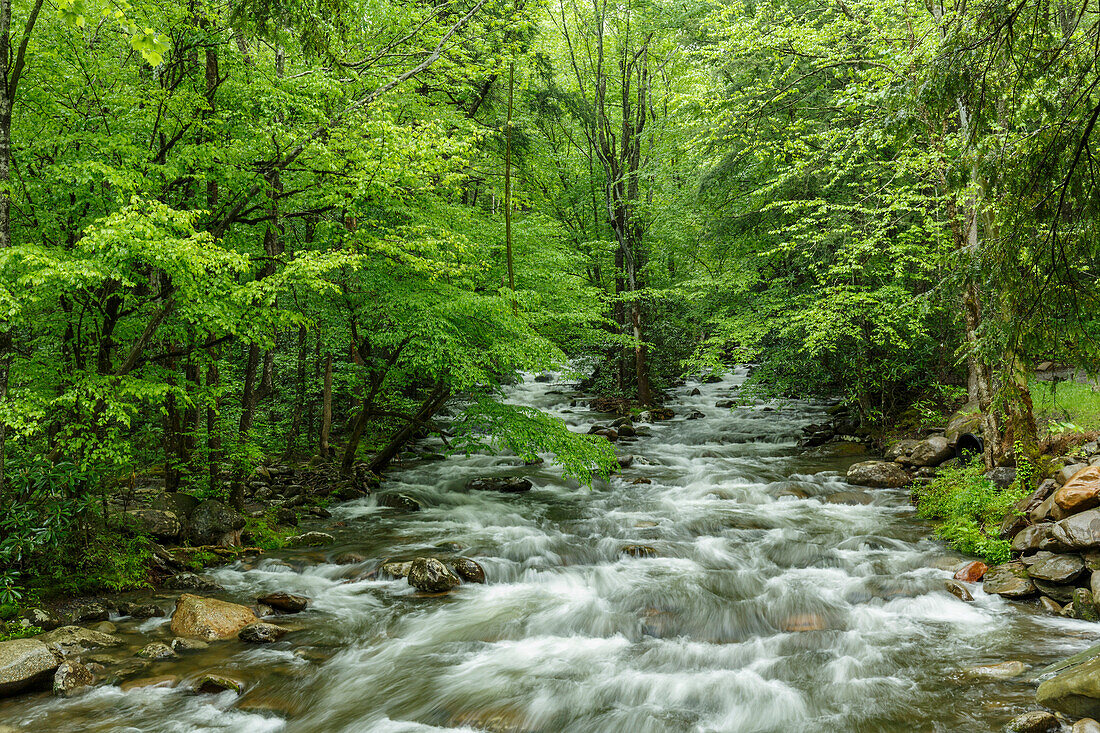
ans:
(1049, 605)
(639, 551)
(1036, 721)
(208, 618)
(285, 602)
(972, 572)
(958, 590)
(1009, 580)
(1028, 539)
(1085, 725)
(1081, 491)
(215, 682)
(71, 676)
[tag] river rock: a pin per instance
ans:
(71, 676)
(191, 581)
(430, 575)
(261, 633)
(208, 618)
(140, 610)
(505, 484)
(878, 475)
(40, 618)
(1080, 492)
(1060, 593)
(626, 461)
(1028, 539)
(1050, 605)
(74, 639)
(966, 420)
(285, 602)
(349, 558)
(639, 551)
(181, 644)
(1010, 580)
(395, 569)
(156, 650)
(931, 452)
(850, 497)
(1002, 476)
(958, 590)
(163, 525)
(1078, 532)
(1085, 725)
(468, 570)
(1002, 671)
(217, 682)
(176, 502)
(1036, 721)
(1074, 690)
(972, 572)
(1063, 475)
(1057, 568)
(1084, 605)
(214, 523)
(1041, 493)
(310, 539)
(402, 502)
(901, 449)
(25, 663)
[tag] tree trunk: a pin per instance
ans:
(326, 408)
(508, 188)
(431, 405)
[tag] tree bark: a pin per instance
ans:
(431, 405)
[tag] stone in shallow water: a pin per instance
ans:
(1085, 725)
(1050, 605)
(73, 638)
(1009, 580)
(215, 682)
(70, 677)
(1002, 671)
(285, 602)
(1060, 593)
(23, 663)
(310, 539)
(430, 575)
(850, 497)
(468, 570)
(972, 572)
(877, 474)
(261, 633)
(639, 551)
(164, 680)
(208, 618)
(1036, 721)
(1057, 568)
(958, 590)
(156, 650)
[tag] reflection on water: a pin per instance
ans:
(766, 607)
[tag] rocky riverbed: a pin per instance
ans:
(728, 579)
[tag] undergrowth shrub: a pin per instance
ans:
(969, 510)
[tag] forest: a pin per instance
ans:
(327, 233)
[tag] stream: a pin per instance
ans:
(761, 611)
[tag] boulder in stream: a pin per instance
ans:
(25, 663)
(1010, 580)
(1034, 721)
(430, 575)
(972, 572)
(931, 452)
(75, 639)
(402, 502)
(1078, 532)
(261, 633)
(1056, 568)
(877, 475)
(156, 650)
(285, 602)
(217, 682)
(208, 618)
(70, 677)
(1074, 688)
(468, 570)
(504, 484)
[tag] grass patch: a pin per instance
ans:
(263, 532)
(968, 509)
(1061, 406)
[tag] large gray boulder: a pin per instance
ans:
(878, 475)
(213, 523)
(74, 639)
(157, 523)
(23, 663)
(931, 452)
(1078, 532)
(1057, 568)
(1075, 688)
(430, 575)
(1010, 580)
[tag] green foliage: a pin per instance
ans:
(969, 510)
(527, 432)
(1066, 406)
(263, 532)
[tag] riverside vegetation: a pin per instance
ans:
(255, 256)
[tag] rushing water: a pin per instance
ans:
(762, 611)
